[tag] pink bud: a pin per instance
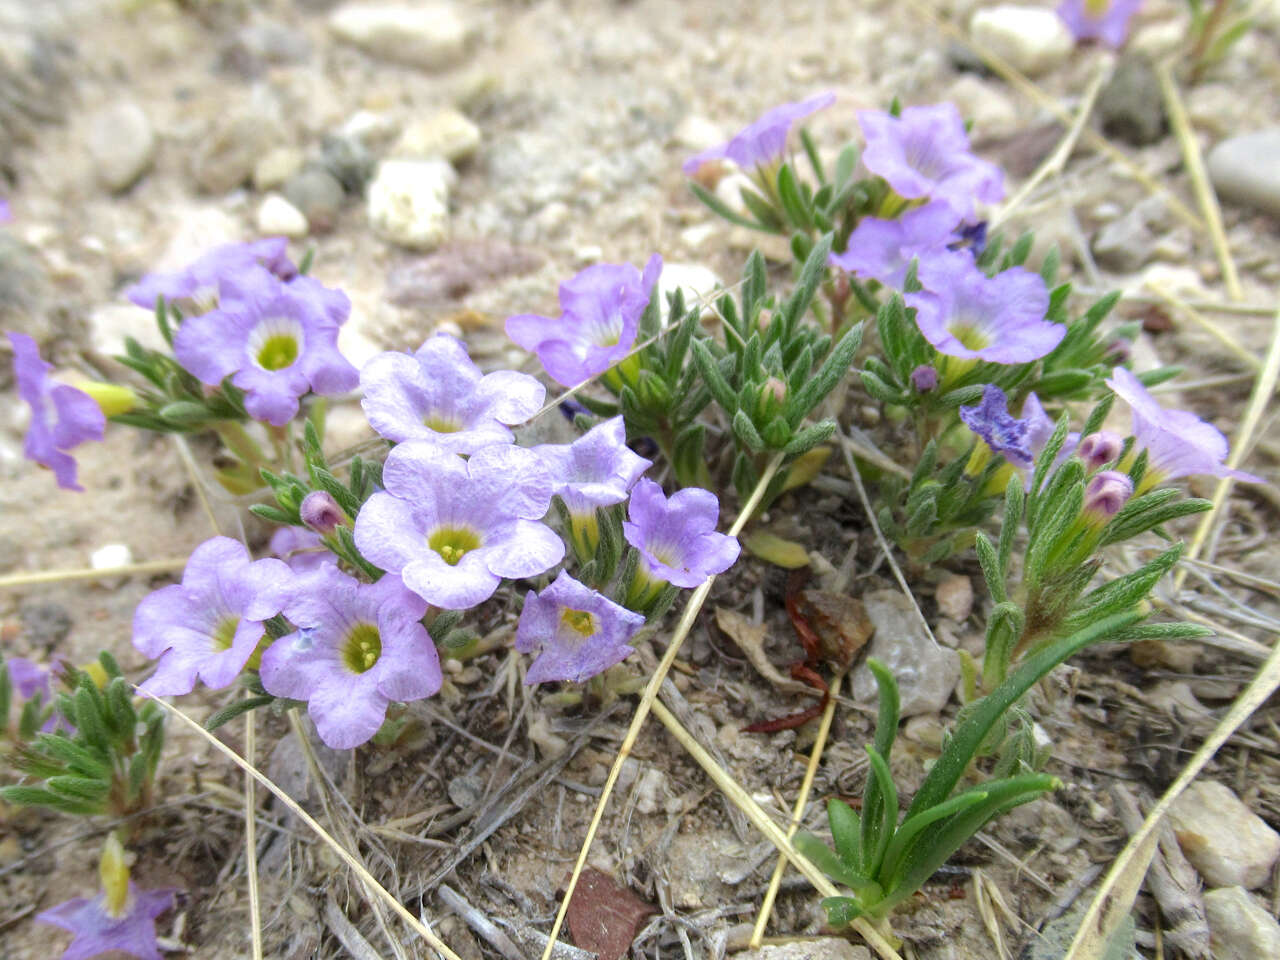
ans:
(1099, 448)
(321, 512)
(924, 378)
(1106, 494)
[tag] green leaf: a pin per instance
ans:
(185, 412)
(746, 431)
(80, 759)
(811, 436)
(723, 210)
(793, 203)
(825, 860)
(900, 845)
(811, 274)
(879, 812)
(990, 564)
(272, 514)
(841, 911)
(89, 720)
(768, 218)
(22, 796)
(846, 832)
(714, 378)
(79, 788)
(233, 710)
(832, 371)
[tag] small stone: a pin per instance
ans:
(430, 37)
(926, 672)
(695, 133)
(109, 557)
(45, 625)
(230, 151)
(984, 103)
(1224, 840)
(408, 202)
(1246, 170)
(1124, 245)
(276, 167)
(256, 47)
(955, 597)
(1240, 928)
(24, 289)
(650, 789)
(964, 59)
(317, 195)
(1033, 40)
(110, 323)
(277, 217)
(465, 791)
(826, 948)
(695, 281)
(447, 134)
(455, 270)
(1131, 106)
(348, 160)
(122, 145)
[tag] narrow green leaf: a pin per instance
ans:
(881, 816)
(233, 710)
(846, 832)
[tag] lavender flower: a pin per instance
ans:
(453, 528)
(965, 313)
(1106, 493)
(321, 512)
(925, 153)
(209, 625)
(575, 632)
(596, 470)
(1178, 443)
(883, 249)
(5, 213)
(32, 681)
(199, 288)
(1104, 20)
(359, 647)
(1018, 441)
(1099, 448)
(276, 341)
(62, 417)
(763, 142)
(677, 537)
(597, 328)
(98, 928)
(303, 550)
(438, 394)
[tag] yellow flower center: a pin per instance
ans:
(971, 337)
(278, 351)
(1097, 8)
(225, 633)
(442, 424)
(579, 621)
(453, 543)
(362, 647)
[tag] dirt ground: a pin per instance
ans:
(586, 110)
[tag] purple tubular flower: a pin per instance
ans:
(96, 930)
(359, 647)
(677, 537)
(62, 417)
(438, 394)
(1099, 448)
(210, 624)
(1018, 441)
(763, 142)
(883, 249)
(303, 550)
(199, 288)
(32, 681)
(925, 153)
(575, 632)
(276, 341)
(596, 470)
(1178, 443)
(965, 313)
(1103, 20)
(321, 512)
(1106, 493)
(454, 528)
(597, 328)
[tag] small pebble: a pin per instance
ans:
(447, 134)
(1131, 106)
(1240, 928)
(1246, 170)
(122, 145)
(955, 597)
(926, 672)
(318, 196)
(1033, 40)
(1225, 841)
(278, 217)
(276, 167)
(430, 37)
(408, 202)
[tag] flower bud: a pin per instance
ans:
(321, 512)
(1106, 494)
(924, 378)
(114, 873)
(1099, 448)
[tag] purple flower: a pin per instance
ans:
(320, 512)
(677, 537)
(1106, 493)
(199, 288)
(454, 528)
(597, 328)
(925, 153)
(924, 378)
(62, 417)
(303, 550)
(98, 929)
(438, 394)
(883, 249)
(32, 681)
(276, 341)
(1104, 20)
(965, 313)
(763, 142)
(1018, 441)
(5, 213)
(1178, 443)
(1099, 448)
(596, 470)
(210, 624)
(359, 647)
(575, 632)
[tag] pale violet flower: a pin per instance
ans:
(763, 143)
(677, 537)
(575, 631)
(200, 287)
(303, 550)
(97, 929)
(883, 249)
(1104, 20)
(596, 470)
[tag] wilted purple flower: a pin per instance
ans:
(98, 930)
(276, 341)
(210, 624)
(33, 681)
(438, 394)
(924, 378)
(200, 287)
(925, 153)
(677, 537)
(597, 328)
(965, 313)
(1178, 443)
(1018, 441)
(321, 512)
(575, 631)
(453, 528)
(62, 417)
(763, 142)
(883, 249)
(1104, 20)
(1099, 448)
(596, 470)
(303, 550)
(359, 647)
(1106, 493)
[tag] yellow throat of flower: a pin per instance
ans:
(579, 621)
(453, 543)
(362, 647)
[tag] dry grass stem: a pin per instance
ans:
(33, 578)
(1182, 307)
(251, 836)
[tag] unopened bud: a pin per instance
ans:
(1106, 494)
(1099, 448)
(772, 397)
(114, 872)
(321, 512)
(924, 378)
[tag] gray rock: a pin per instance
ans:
(276, 167)
(111, 323)
(256, 47)
(318, 196)
(122, 144)
(1033, 40)
(24, 289)
(454, 270)
(229, 152)
(1125, 244)
(45, 625)
(1246, 170)
(1131, 107)
(1224, 840)
(430, 37)
(926, 672)
(348, 160)
(408, 202)
(827, 948)
(1240, 928)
